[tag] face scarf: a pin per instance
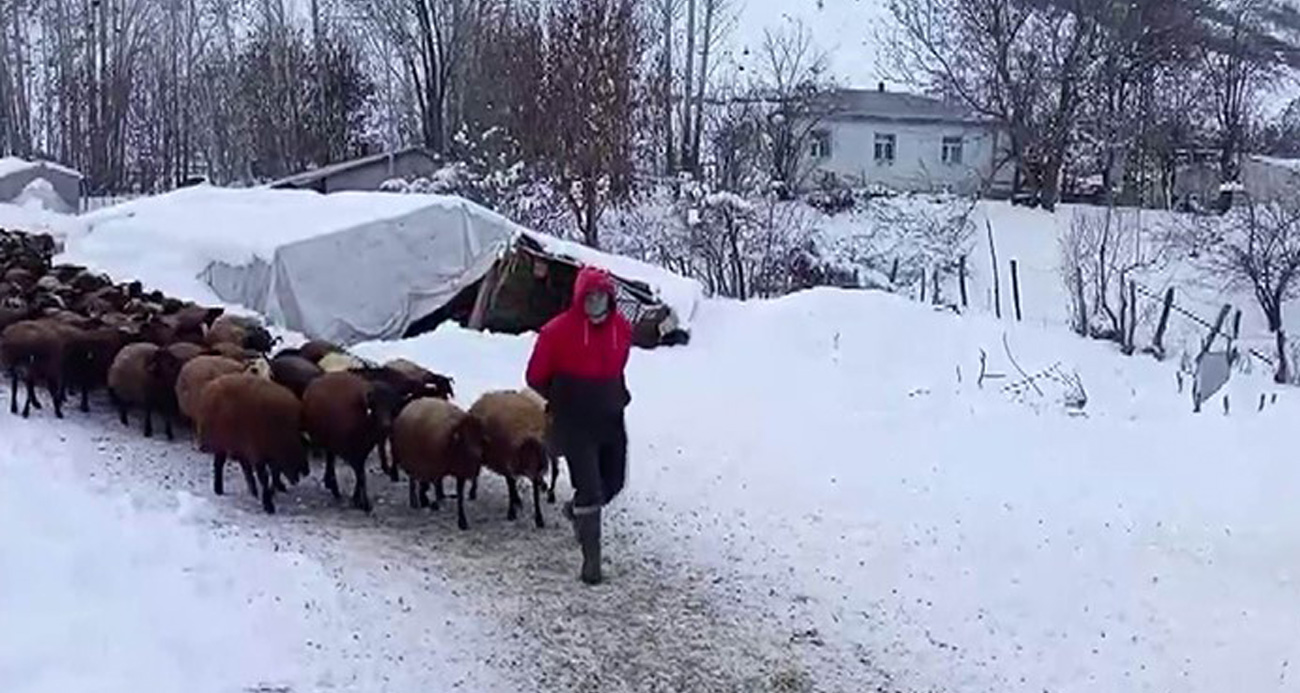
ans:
(596, 306)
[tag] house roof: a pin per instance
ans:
(868, 104)
(306, 178)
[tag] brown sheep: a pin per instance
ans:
(294, 372)
(433, 439)
(404, 389)
(142, 375)
(243, 332)
(13, 309)
(346, 416)
(514, 426)
(232, 351)
(259, 425)
(443, 384)
(195, 375)
(88, 356)
(316, 349)
(185, 351)
(34, 348)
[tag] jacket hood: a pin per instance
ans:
(590, 280)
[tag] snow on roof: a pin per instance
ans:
(236, 225)
(9, 165)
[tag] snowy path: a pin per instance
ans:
(494, 608)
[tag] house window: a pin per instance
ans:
(884, 148)
(819, 146)
(952, 150)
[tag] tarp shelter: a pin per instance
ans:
(19, 184)
(358, 266)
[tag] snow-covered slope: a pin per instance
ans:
(830, 491)
(834, 455)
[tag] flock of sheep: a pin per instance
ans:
(73, 331)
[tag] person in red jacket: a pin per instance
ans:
(577, 365)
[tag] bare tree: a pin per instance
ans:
(588, 99)
(1257, 247)
(1240, 59)
(793, 85)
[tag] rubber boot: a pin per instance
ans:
(588, 528)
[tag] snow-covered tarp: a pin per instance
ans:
(10, 164)
(347, 267)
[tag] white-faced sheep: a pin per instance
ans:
(514, 427)
(258, 424)
(143, 375)
(433, 439)
(346, 416)
(338, 361)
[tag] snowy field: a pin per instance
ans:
(823, 496)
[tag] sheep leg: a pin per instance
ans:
(85, 399)
(31, 396)
(249, 479)
(56, 394)
(360, 498)
(13, 390)
(31, 391)
(120, 406)
(167, 426)
(148, 422)
(515, 502)
(268, 491)
(461, 522)
(555, 478)
(412, 496)
(277, 481)
(473, 489)
(424, 496)
(219, 473)
(537, 505)
(393, 472)
(331, 481)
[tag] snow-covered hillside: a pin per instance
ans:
(823, 495)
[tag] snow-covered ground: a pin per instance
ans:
(824, 495)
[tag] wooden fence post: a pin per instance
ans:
(997, 289)
(961, 281)
(1132, 317)
(1015, 287)
(1081, 301)
(1158, 344)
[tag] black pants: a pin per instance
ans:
(597, 459)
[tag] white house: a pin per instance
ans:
(907, 142)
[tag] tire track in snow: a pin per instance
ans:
(658, 624)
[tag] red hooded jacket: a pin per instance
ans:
(577, 365)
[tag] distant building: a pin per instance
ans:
(1198, 185)
(907, 142)
(366, 173)
(18, 184)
